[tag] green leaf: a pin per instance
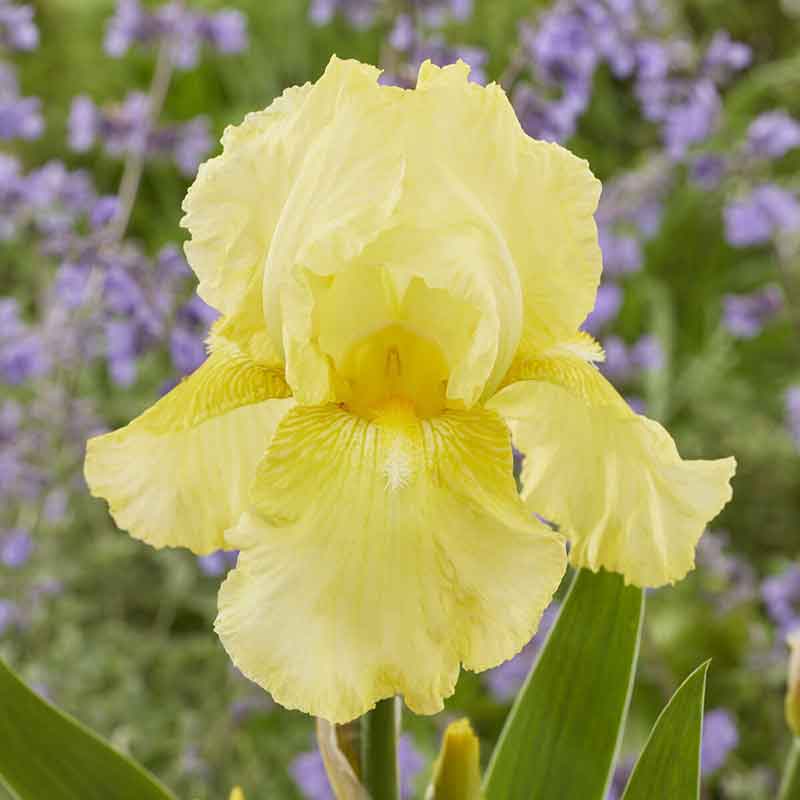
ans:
(46, 754)
(669, 766)
(564, 730)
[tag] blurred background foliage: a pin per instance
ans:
(120, 635)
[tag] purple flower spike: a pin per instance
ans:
(505, 681)
(621, 253)
(745, 315)
(18, 31)
(726, 56)
(773, 134)
(226, 31)
(16, 548)
(781, 596)
(757, 218)
(793, 412)
(720, 738)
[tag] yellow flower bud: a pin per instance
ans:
(456, 773)
(792, 703)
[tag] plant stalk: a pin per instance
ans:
(790, 783)
(379, 751)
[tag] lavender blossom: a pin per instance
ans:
(793, 412)
(606, 307)
(781, 596)
(181, 29)
(720, 738)
(308, 771)
(16, 547)
(506, 680)
(18, 31)
(760, 216)
(359, 13)
(725, 56)
(693, 120)
(217, 563)
(744, 315)
(707, 170)
(622, 253)
(773, 134)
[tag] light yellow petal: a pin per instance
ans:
(178, 474)
(236, 794)
(532, 203)
(612, 480)
(246, 198)
(382, 555)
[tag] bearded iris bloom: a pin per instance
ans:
(402, 276)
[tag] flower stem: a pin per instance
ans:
(790, 784)
(379, 751)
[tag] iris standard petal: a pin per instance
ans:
(235, 205)
(611, 479)
(380, 556)
(532, 203)
(178, 474)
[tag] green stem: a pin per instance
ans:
(790, 784)
(379, 751)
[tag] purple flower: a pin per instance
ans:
(781, 596)
(724, 56)
(193, 142)
(18, 31)
(693, 120)
(103, 211)
(16, 548)
(226, 31)
(551, 120)
(20, 118)
(561, 48)
(505, 680)
(720, 737)
(129, 24)
(773, 134)
(217, 563)
(83, 123)
(308, 771)
(606, 307)
(122, 349)
(647, 353)
(760, 216)
(744, 315)
(187, 350)
(618, 365)
(793, 412)
(23, 358)
(707, 170)
(621, 253)
(359, 13)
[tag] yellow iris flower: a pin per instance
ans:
(402, 276)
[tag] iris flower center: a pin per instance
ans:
(392, 372)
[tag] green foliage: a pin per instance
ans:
(669, 767)
(572, 709)
(47, 754)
